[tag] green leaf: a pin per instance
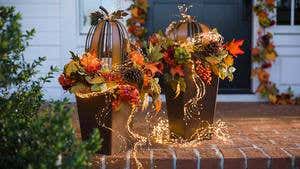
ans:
(74, 56)
(71, 68)
(154, 53)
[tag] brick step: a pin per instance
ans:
(204, 158)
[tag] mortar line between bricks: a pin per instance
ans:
(269, 162)
(103, 165)
(219, 154)
(291, 156)
(151, 160)
(127, 165)
(197, 154)
(245, 157)
(174, 157)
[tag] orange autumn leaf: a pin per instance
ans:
(152, 69)
(228, 60)
(136, 57)
(233, 47)
(90, 62)
(177, 70)
(263, 76)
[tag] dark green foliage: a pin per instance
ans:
(32, 135)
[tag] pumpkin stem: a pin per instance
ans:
(104, 10)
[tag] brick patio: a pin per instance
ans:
(262, 137)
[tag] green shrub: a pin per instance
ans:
(33, 135)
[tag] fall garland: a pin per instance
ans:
(264, 54)
(136, 23)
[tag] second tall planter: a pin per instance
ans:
(202, 115)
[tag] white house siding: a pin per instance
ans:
(57, 26)
(287, 69)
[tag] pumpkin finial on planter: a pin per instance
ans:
(186, 27)
(108, 37)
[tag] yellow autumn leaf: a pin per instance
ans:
(271, 56)
(272, 98)
(70, 68)
(228, 60)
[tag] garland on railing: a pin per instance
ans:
(264, 54)
(136, 23)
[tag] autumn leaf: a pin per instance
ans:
(228, 60)
(271, 56)
(152, 68)
(154, 53)
(136, 57)
(135, 12)
(177, 70)
(70, 68)
(233, 47)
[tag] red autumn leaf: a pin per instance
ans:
(177, 70)
(233, 47)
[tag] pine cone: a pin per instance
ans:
(210, 49)
(133, 75)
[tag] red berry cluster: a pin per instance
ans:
(203, 72)
(126, 93)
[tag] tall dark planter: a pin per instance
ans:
(206, 107)
(92, 117)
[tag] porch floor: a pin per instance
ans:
(262, 136)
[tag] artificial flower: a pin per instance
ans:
(126, 93)
(233, 47)
(168, 56)
(65, 82)
(181, 55)
(90, 62)
(266, 65)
